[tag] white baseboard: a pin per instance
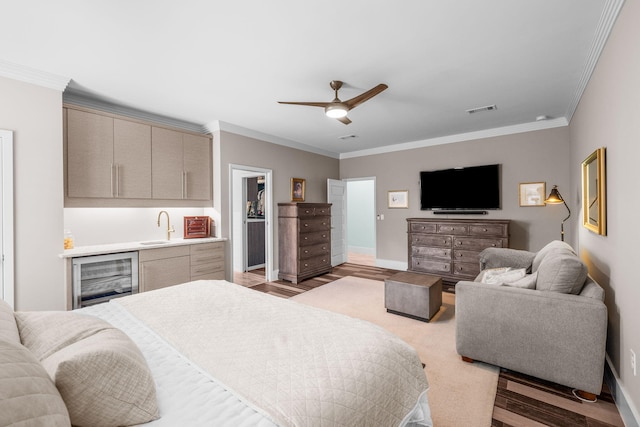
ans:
(391, 264)
(628, 411)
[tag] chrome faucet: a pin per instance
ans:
(170, 229)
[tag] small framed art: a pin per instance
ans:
(532, 193)
(398, 199)
(297, 189)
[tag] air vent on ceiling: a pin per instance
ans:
(344, 137)
(485, 108)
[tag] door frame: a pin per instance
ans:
(7, 286)
(241, 171)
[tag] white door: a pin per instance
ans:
(6, 217)
(337, 196)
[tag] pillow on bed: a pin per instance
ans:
(101, 374)
(45, 332)
(28, 397)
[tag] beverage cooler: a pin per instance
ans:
(100, 278)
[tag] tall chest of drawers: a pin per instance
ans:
(449, 248)
(304, 243)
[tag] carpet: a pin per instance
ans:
(460, 393)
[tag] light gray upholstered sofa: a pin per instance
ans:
(556, 331)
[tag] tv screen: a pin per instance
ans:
(469, 188)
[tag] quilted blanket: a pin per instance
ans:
(299, 365)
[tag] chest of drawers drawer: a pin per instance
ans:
(450, 248)
(315, 224)
(306, 252)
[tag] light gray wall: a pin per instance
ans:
(34, 114)
(607, 116)
(285, 162)
(525, 157)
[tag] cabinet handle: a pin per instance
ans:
(324, 235)
(184, 185)
(117, 180)
(306, 225)
(113, 194)
(306, 252)
(484, 229)
(493, 244)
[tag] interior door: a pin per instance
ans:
(337, 196)
(6, 217)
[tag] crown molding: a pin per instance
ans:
(610, 12)
(218, 125)
(487, 133)
(31, 75)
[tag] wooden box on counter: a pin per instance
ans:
(304, 240)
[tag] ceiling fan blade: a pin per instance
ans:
(344, 120)
(354, 102)
(311, 104)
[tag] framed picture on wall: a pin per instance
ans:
(398, 199)
(532, 193)
(297, 189)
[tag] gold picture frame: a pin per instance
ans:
(398, 199)
(297, 189)
(594, 193)
(531, 194)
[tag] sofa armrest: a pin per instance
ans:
(553, 336)
(505, 257)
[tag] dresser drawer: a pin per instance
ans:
(488, 230)
(307, 239)
(430, 266)
(313, 251)
(306, 265)
(310, 212)
(468, 270)
(315, 224)
(431, 240)
(423, 227)
(474, 243)
(457, 229)
(466, 256)
(427, 252)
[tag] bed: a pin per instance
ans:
(216, 353)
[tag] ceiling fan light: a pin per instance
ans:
(335, 111)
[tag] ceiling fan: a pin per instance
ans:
(337, 109)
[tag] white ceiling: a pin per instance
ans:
(225, 64)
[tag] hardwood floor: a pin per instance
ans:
(520, 400)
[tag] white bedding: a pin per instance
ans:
(280, 362)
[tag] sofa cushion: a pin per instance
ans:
(8, 326)
(28, 397)
(555, 247)
(561, 273)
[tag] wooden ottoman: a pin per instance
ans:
(414, 295)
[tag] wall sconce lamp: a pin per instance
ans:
(555, 199)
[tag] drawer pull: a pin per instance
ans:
(306, 252)
(484, 229)
(324, 235)
(493, 244)
(444, 241)
(306, 225)
(306, 238)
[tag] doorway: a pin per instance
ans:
(7, 290)
(251, 222)
(361, 221)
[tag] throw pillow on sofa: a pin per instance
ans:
(500, 276)
(563, 273)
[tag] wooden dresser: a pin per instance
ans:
(449, 248)
(304, 240)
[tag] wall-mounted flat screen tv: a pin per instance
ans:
(468, 188)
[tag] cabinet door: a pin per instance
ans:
(197, 167)
(161, 273)
(89, 155)
(167, 167)
(132, 158)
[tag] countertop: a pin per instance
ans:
(134, 246)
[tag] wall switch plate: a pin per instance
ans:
(633, 362)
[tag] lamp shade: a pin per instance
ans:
(554, 196)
